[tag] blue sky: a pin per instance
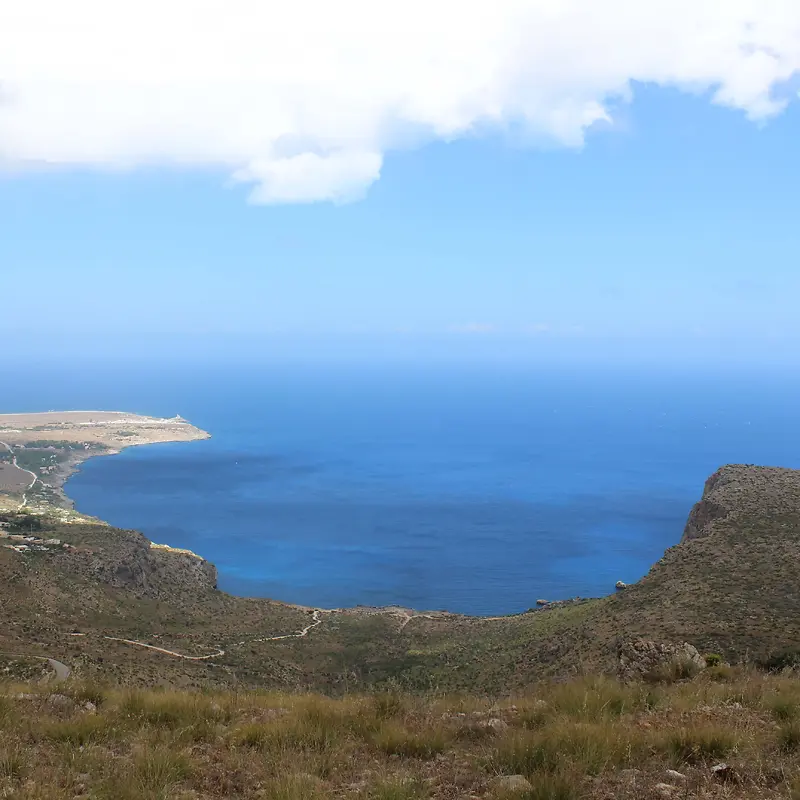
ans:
(672, 230)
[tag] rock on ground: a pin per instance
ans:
(640, 658)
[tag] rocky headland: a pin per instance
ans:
(47, 448)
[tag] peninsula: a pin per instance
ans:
(38, 452)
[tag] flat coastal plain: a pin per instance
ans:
(38, 452)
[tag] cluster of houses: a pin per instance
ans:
(27, 544)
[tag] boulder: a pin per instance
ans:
(640, 659)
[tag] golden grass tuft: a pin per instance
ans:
(77, 731)
(395, 739)
(697, 744)
(12, 763)
(586, 746)
(570, 740)
(397, 789)
(789, 736)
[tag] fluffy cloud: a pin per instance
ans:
(304, 98)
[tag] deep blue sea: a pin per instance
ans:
(474, 489)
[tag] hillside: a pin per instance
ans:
(107, 603)
(725, 734)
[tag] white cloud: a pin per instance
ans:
(304, 98)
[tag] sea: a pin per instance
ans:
(472, 488)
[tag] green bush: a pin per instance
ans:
(713, 659)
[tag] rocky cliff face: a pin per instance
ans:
(172, 567)
(126, 560)
(738, 491)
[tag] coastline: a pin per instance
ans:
(71, 427)
(76, 437)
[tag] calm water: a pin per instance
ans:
(475, 490)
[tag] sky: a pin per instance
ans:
(526, 178)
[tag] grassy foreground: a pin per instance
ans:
(588, 738)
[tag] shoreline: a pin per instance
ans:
(80, 436)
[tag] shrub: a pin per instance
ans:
(593, 699)
(77, 732)
(387, 705)
(395, 740)
(12, 764)
(783, 708)
(778, 662)
(789, 737)
(681, 669)
(413, 789)
(558, 786)
(532, 717)
(588, 747)
(721, 673)
(251, 735)
(697, 745)
(284, 735)
(156, 771)
(87, 693)
(713, 659)
(169, 709)
(292, 787)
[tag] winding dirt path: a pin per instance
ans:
(32, 474)
(316, 619)
(164, 650)
(406, 617)
(62, 670)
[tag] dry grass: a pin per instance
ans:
(588, 738)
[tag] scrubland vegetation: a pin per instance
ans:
(729, 733)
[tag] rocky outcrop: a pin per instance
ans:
(190, 571)
(640, 659)
(127, 560)
(740, 490)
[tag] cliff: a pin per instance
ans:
(739, 491)
(127, 560)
